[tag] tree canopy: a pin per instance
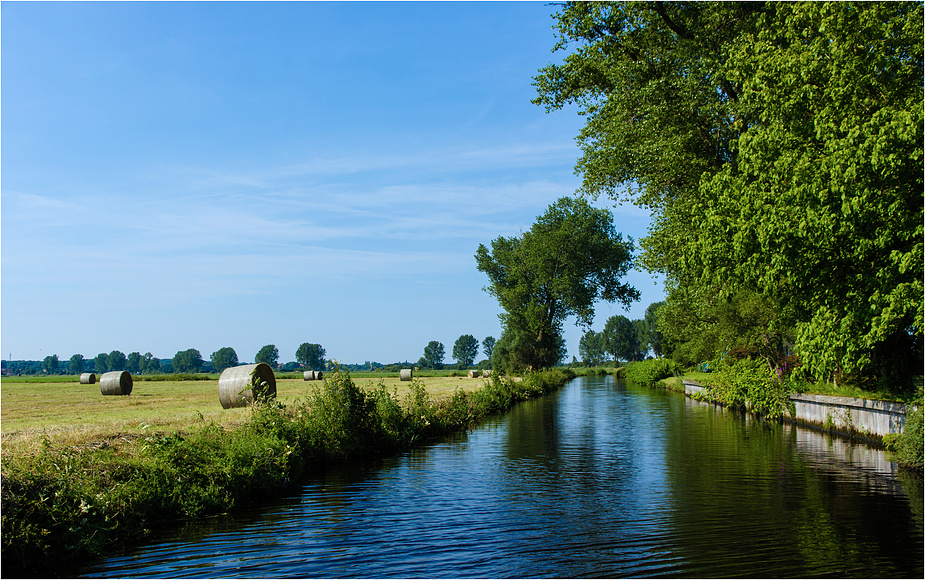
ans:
(779, 147)
(310, 355)
(268, 354)
(187, 361)
(488, 346)
(465, 350)
(77, 364)
(223, 358)
(568, 260)
(434, 353)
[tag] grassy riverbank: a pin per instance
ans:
(76, 491)
(750, 384)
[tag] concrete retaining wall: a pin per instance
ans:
(846, 414)
(850, 414)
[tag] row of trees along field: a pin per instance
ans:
(779, 149)
(465, 351)
(308, 355)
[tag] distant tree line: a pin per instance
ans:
(465, 351)
(308, 355)
(623, 339)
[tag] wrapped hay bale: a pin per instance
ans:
(308, 376)
(240, 386)
(474, 374)
(318, 375)
(405, 374)
(116, 383)
(87, 378)
(486, 373)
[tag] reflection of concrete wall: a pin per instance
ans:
(845, 414)
(857, 462)
(850, 414)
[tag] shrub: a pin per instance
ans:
(648, 372)
(750, 384)
(908, 446)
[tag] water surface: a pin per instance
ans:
(600, 479)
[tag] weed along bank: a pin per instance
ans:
(748, 385)
(63, 504)
(849, 416)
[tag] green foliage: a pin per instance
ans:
(751, 385)
(223, 358)
(187, 361)
(488, 346)
(101, 363)
(150, 364)
(465, 350)
(907, 448)
(116, 360)
(50, 364)
(779, 147)
(649, 372)
(76, 364)
(591, 348)
(310, 355)
(133, 363)
(434, 354)
(268, 354)
(655, 336)
(621, 339)
(571, 257)
(516, 351)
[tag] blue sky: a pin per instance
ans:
(202, 175)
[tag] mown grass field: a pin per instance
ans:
(68, 413)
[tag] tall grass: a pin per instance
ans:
(66, 503)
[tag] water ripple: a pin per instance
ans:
(598, 480)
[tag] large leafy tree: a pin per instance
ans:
(621, 339)
(77, 364)
(465, 350)
(187, 361)
(268, 354)
(568, 260)
(434, 354)
(224, 358)
(310, 355)
(133, 362)
(655, 335)
(50, 364)
(779, 147)
(116, 361)
(488, 346)
(150, 364)
(101, 362)
(591, 348)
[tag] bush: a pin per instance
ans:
(907, 448)
(750, 384)
(648, 372)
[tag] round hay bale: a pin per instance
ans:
(406, 374)
(318, 375)
(87, 378)
(308, 375)
(474, 374)
(239, 386)
(486, 373)
(116, 383)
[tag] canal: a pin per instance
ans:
(600, 479)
